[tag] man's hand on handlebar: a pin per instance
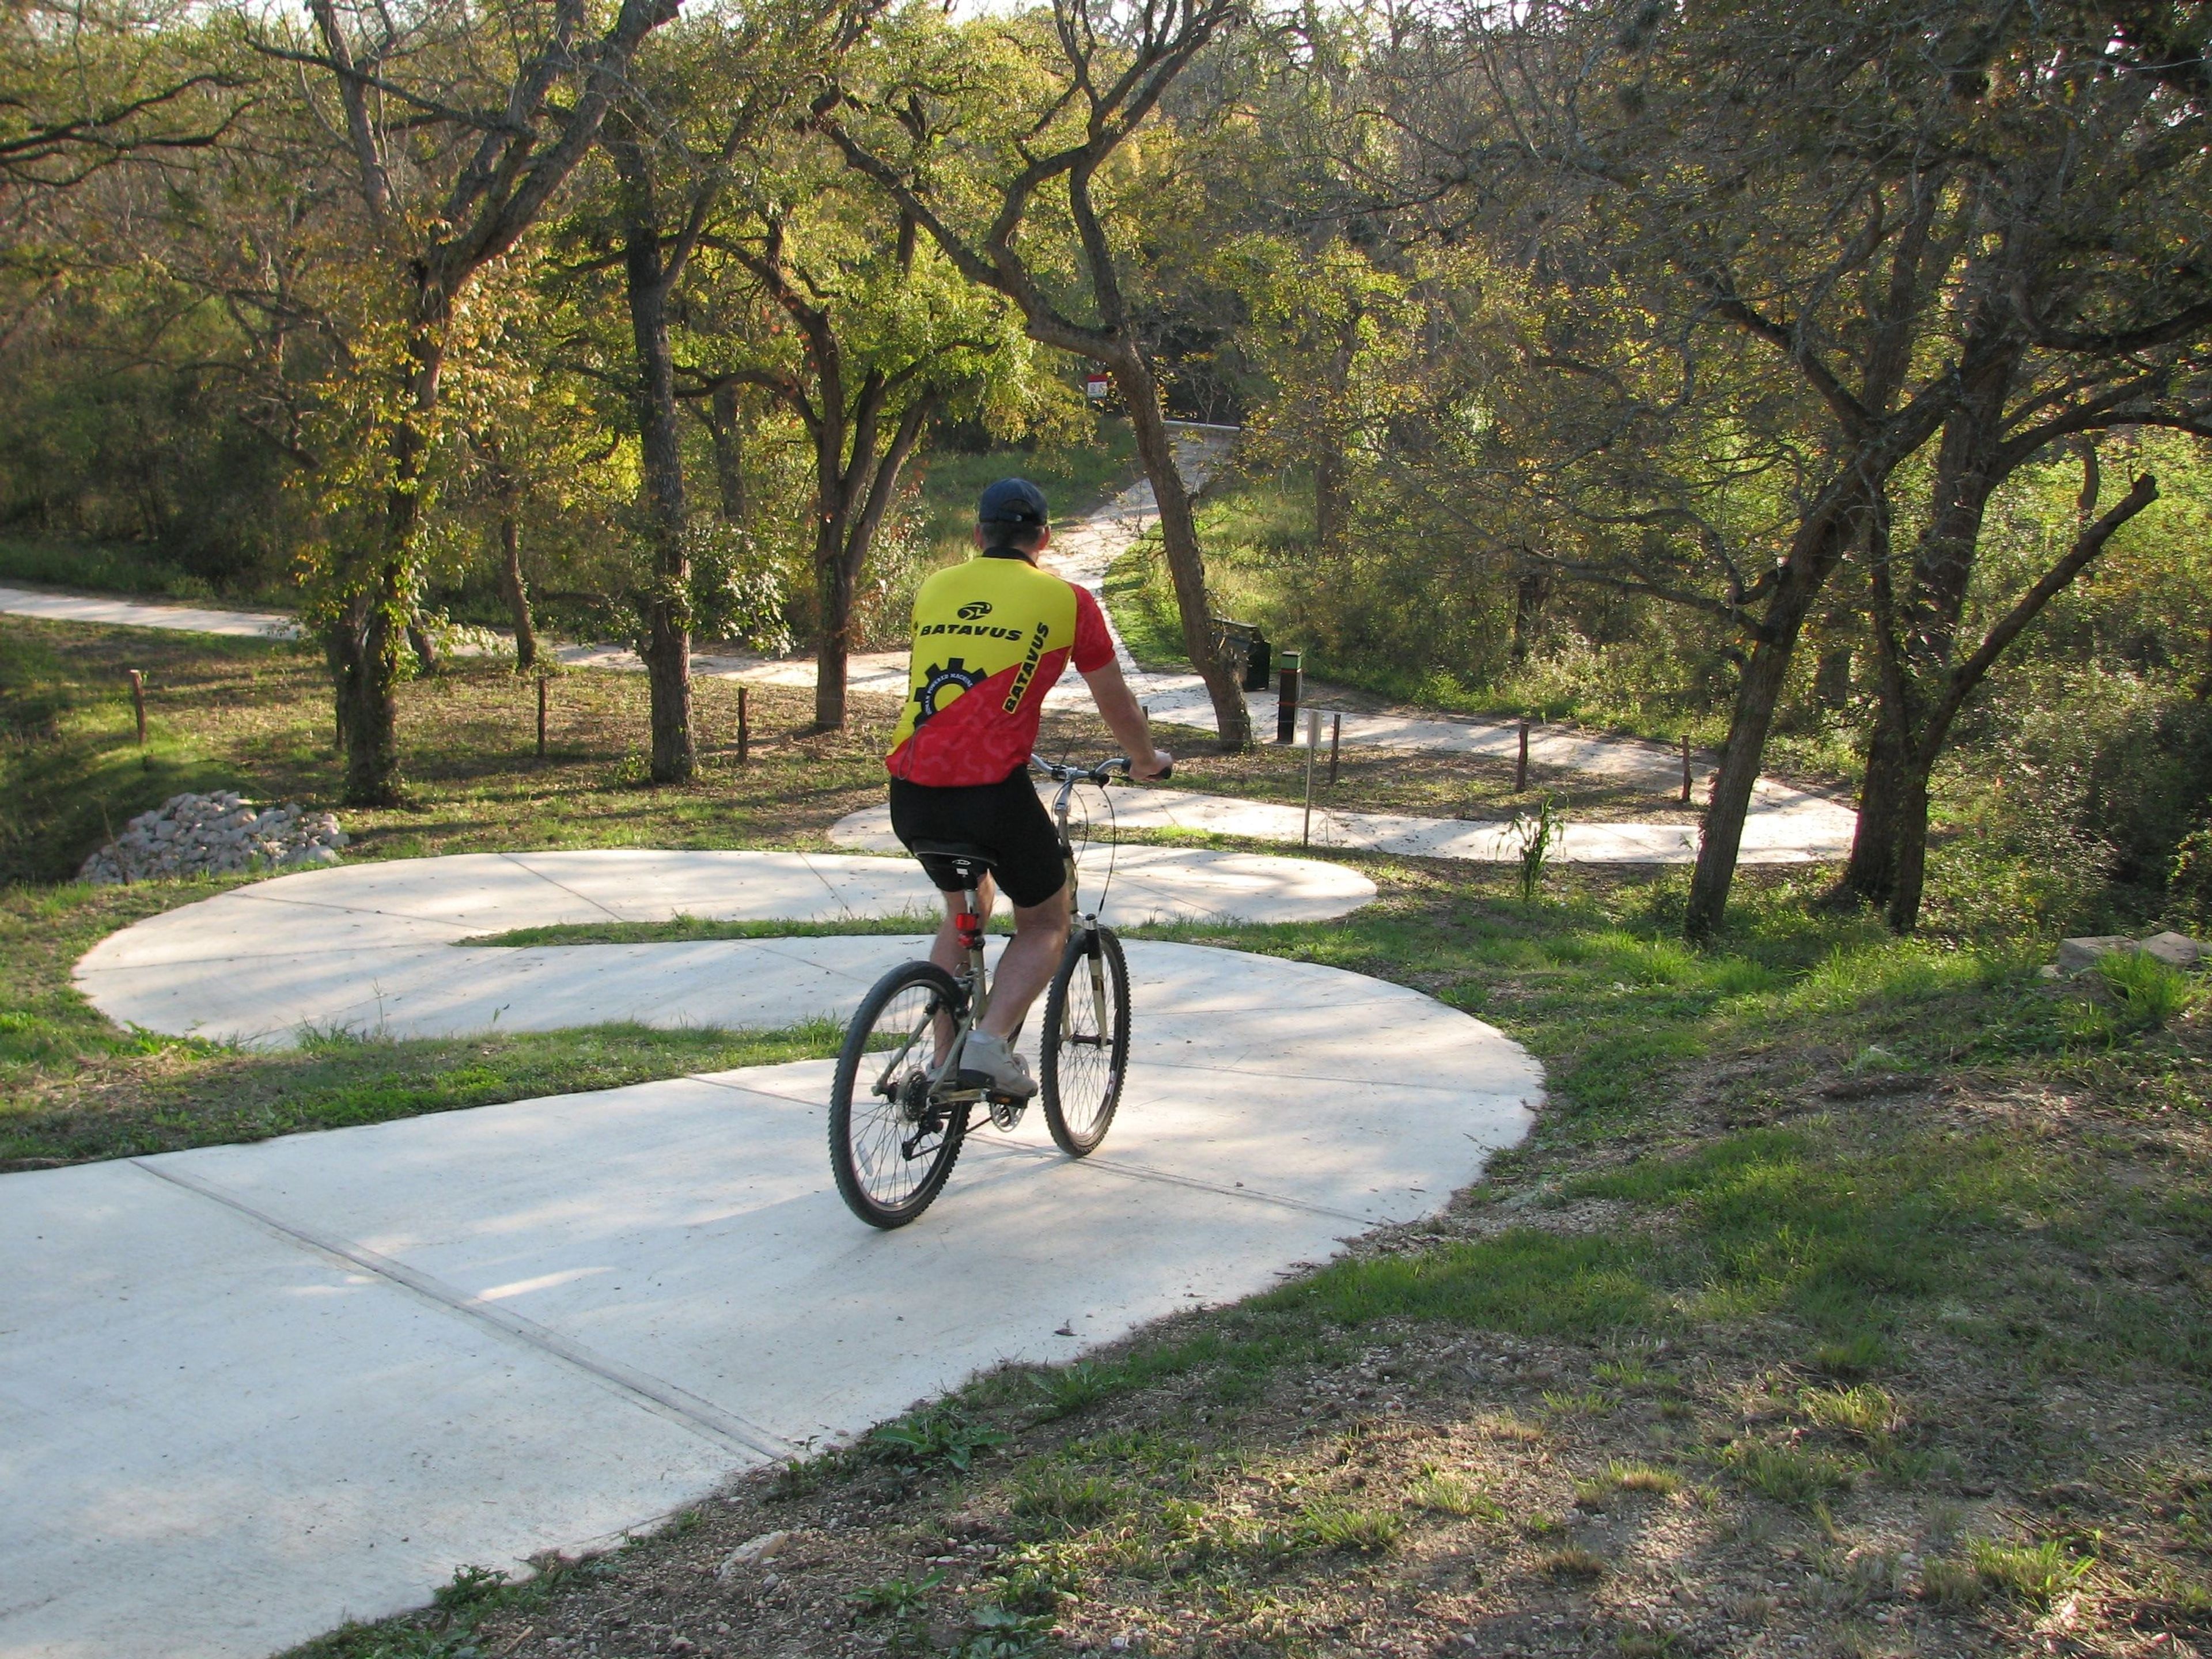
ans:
(1161, 765)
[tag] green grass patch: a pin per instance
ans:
(335, 1081)
(1795, 1476)
(686, 930)
(2038, 1573)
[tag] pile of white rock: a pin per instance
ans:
(214, 836)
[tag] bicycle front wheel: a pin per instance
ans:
(1086, 1049)
(892, 1145)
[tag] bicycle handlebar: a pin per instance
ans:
(1102, 774)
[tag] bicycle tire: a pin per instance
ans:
(1083, 1062)
(866, 1158)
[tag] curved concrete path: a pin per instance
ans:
(371, 948)
(246, 1392)
(1800, 831)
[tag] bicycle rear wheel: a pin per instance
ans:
(890, 1145)
(1085, 1048)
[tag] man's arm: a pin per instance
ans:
(1125, 720)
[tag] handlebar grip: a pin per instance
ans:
(1164, 773)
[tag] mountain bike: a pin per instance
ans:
(900, 1107)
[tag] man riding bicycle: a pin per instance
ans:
(990, 638)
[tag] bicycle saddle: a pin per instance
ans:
(970, 863)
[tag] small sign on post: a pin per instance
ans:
(1313, 743)
(138, 702)
(1096, 386)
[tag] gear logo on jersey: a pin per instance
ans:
(937, 679)
(973, 611)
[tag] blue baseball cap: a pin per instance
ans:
(1012, 501)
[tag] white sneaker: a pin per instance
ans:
(991, 1062)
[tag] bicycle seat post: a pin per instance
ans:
(968, 924)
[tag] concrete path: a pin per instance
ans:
(1795, 832)
(372, 947)
(247, 1392)
(146, 613)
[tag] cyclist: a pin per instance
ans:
(990, 638)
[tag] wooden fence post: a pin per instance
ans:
(1520, 766)
(138, 702)
(541, 717)
(745, 727)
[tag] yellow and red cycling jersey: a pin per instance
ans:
(990, 638)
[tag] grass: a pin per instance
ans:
(191, 1094)
(686, 930)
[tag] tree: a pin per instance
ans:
(2084, 156)
(86, 84)
(676, 143)
(452, 163)
(882, 334)
(1740, 231)
(1035, 130)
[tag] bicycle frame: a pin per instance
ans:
(968, 923)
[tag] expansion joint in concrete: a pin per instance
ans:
(612, 916)
(678, 1405)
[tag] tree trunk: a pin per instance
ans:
(1722, 835)
(1528, 593)
(516, 591)
(1813, 555)
(666, 610)
(1876, 843)
(371, 716)
(724, 419)
(371, 700)
(419, 641)
(1910, 816)
(864, 488)
(833, 653)
(1179, 537)
(1330, 495)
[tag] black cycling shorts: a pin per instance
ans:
(1005, 819)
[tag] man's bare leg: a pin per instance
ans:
(1027, 966)
(1031, 959)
